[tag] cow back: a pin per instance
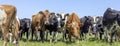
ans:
(11, 13)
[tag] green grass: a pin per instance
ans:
(89, 41)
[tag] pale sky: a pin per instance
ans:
(26, 8)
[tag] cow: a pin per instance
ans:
(97, 26)
(73, 26)
(110, 22)
(53, 27)
(9, 23)
(62, 19)
(86, 27)
(37, 25)
(25, 24)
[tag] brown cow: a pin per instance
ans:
(8, 13)
(73, 26)
(37, 25)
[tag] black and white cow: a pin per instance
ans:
(53, 27)
(97, 26)
(62, 19)
(111, 21)
(86, 27)
(25, 25)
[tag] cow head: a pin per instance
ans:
(47, 17)
(53, 19)
(64, 18)
(74, 28)
(27, 22)
(59, 19)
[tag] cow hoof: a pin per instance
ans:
(14, 41)
(63, 40)
(55, 41)
(77, 41)
(50, 41)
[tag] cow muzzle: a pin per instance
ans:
(46, 22)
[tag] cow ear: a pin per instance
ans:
(67, 14)
(58, 14)
(41, 12)
(117, 15)
(46, 10)
(52, 13)
(33, 15)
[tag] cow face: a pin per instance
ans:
(64, 18)
(74, 27)
(53, 18)
(27, 23)
(59, 19)
(47, 17)
(63, 15)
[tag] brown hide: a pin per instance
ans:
(11, 24)
(73, 25)
(37, 21)
(74, 17)
(11, 13)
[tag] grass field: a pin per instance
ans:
(89, 41)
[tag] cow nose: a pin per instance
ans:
(63, 19)
(59, 26)
(94, 25)
(46, 23)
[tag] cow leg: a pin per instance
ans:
(32, 33)
(36, 33)
(15, 32)
(115, 35)
(64, 35)
(77, 39)
(5, 39)
(42, 33)
(101, 32)
(5, 34)
(51, 36)
(27, 34)
(111, 37)
(21, 35)
(100, 36)
(46, 35)
(56, 35)
(82, 35)
(69, 35)
(107, 36)
(10, 35)
(96, 34)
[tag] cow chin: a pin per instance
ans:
(46, 23)
(76, 33)
(39, 27)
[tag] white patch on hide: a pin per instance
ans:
(73, 23)
(58, 18)
(18, 20)
(62, 14)
(3, 16)
(10, 34)
(14, 41)
(94, 19)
